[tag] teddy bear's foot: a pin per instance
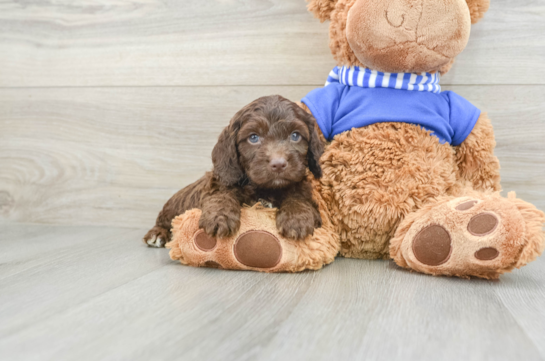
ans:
(481, 235)
(257, 246)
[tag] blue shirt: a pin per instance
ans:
(339, 107)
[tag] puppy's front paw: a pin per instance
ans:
(220, 224)
(297, 226)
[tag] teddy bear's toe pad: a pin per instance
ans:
(204, 242)
(212, 264)
(487, 254)
(258, 249)
(432, 245)
(482, 224)
(466, 205)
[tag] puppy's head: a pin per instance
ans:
(271, 141)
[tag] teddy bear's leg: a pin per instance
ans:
(257, 246)
(374, 176)
(478, 234)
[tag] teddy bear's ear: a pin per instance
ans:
(477, 8)
(322, 8)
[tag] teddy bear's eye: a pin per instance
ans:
(295, 137)
(254, 139)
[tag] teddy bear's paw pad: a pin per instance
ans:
(212, 264)
(487, 254)
(432, 245)
(483, 224)
(258, 249)
(466, 205)
(204, 242)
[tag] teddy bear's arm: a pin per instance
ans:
(475, 157)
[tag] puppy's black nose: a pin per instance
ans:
(278, 164)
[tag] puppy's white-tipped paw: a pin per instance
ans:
(157, 237)
(155, 241)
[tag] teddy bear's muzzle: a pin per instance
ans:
(407, 35)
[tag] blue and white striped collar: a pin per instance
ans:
(366, 78)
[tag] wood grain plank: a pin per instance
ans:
(113, 156)
(245, 42)
(194, 300)
(111, 298)
(392, 314)
(23, 246)
(67, 266)
(522, 292)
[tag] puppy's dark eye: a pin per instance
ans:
(295, 137)
(254, 139)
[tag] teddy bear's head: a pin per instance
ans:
(410, 36)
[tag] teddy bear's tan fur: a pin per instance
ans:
(391, 189)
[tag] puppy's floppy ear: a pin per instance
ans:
(225, 155)
(315, 150)
(477, 8)
(315, 144)
(321, 8)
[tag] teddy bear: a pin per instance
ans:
(409, 171)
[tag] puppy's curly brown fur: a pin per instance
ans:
(263, 155)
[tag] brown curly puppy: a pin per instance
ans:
(263, 155)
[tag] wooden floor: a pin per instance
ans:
(96, 293)
(109, 107)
